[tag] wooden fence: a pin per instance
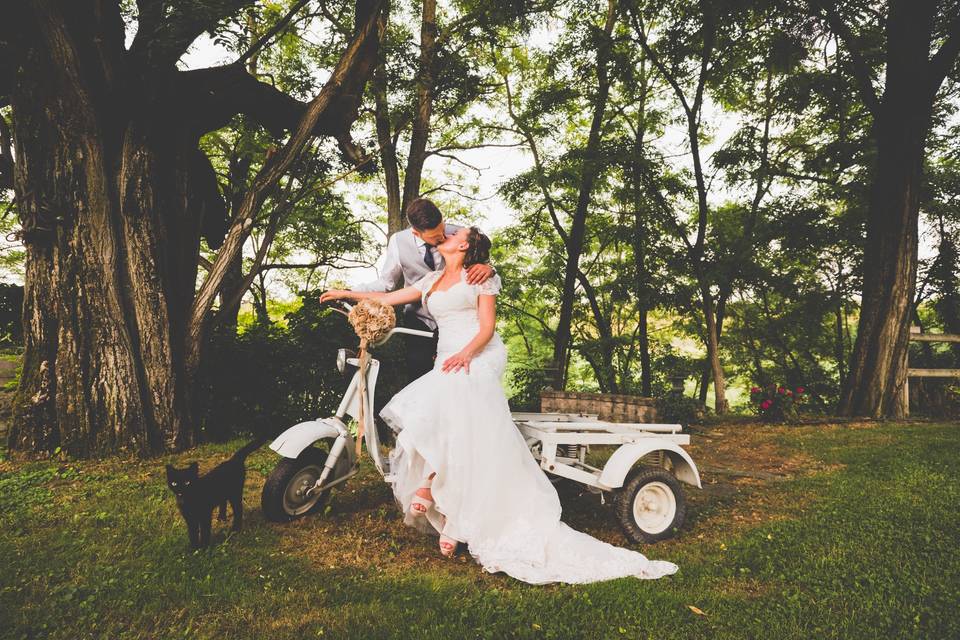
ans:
(916, 336)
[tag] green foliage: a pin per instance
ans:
(273, 375)
(11, 308)
(527, 383)
(677, 408)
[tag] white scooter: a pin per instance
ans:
(643, 472)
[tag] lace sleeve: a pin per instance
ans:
(490, 286)
(426, 281)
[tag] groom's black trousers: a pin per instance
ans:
(419, 356)
(420, 351)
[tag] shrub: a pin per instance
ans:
(777, 403)
(271, 376)
(678, 408)
(527, 383)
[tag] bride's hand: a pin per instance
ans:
(332, 294)
(458, 361)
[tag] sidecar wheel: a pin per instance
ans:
(651, 506)
(284, 493)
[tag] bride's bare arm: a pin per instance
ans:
(487, 312)
(393, 298)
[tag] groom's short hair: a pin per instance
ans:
(423, 214)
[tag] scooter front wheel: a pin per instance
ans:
(286, 494)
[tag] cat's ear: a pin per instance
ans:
(170, 469)
(194, 466)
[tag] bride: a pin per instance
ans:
(461, 466)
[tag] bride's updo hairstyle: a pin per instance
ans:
(479, 250)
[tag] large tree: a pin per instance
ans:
(920, 45)
(114, 196)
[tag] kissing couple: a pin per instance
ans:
(461, 468)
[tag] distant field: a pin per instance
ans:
(837, 531)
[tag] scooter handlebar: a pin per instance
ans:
(412, 332)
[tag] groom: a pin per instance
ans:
(411, 254)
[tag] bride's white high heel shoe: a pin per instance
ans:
(426, 503)
(448, 545)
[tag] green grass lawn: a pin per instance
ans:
(851, 531)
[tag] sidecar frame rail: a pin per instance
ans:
(553, 436)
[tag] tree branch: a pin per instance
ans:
(525, 131)
(349, 76)
(334, 20)
(450, 156)
(658, 63)
(471, 147)
(861, 70)
(547, 330)
(165, 40)
(208, 98)
(314, 265)
(273, 31)
(149, 13)
(944, 59)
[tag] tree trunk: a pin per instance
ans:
(948, 281)
(607, 376)
(713, 352)
(388, 151)
(877, 372)
(695, 251)
(703, 389)
(640, 232)
(103, 197)
(386, 145)
(421, 121)
(840, 351)
(578, 225)
(231, 296)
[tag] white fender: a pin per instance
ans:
(623, 459)
(291, 442)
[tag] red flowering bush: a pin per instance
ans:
(776, 403)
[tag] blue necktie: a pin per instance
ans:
(428, 257)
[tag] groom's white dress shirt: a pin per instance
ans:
(404, 264)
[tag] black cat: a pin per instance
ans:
(197, 495)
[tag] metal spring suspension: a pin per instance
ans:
(568, 451)
(654, 459)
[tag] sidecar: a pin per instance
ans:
(643, 473)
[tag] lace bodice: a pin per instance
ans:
(455, 309)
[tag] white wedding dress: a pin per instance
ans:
(489, 491)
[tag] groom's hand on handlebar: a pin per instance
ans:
(479, 273)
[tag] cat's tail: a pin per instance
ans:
(250, 447)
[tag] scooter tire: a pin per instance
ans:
(278, 499)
